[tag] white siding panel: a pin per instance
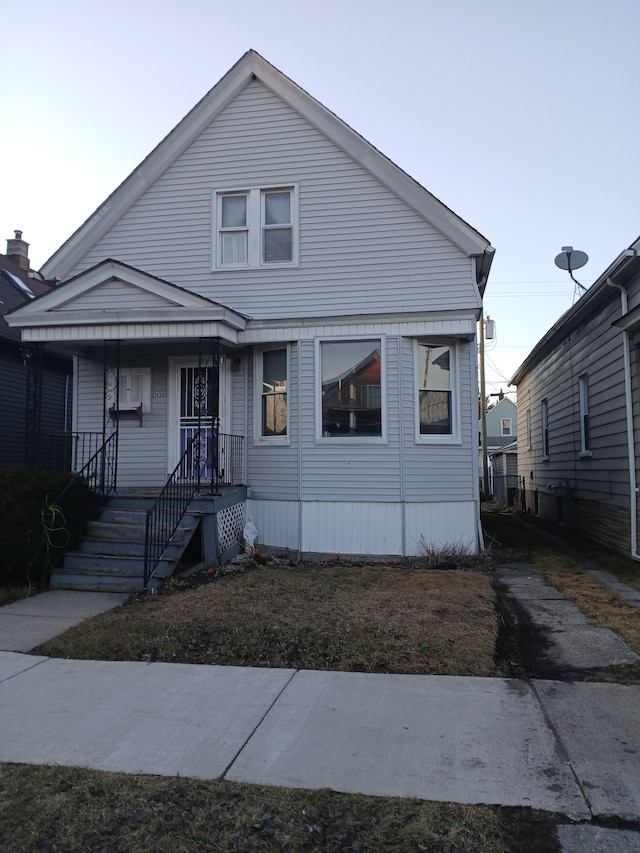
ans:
(277, 522)
(441, 525)
(333, 527)
(361, 248)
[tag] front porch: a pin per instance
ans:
(114, 553)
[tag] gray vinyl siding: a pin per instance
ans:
(54, 405)
(142, 450)
(595, 350)
(12, 422)
(361, 248)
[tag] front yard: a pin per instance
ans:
(376, 618)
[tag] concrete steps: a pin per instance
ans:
(111, 555)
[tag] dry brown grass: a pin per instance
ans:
(363, 619)
(15, 592)
(58, 810)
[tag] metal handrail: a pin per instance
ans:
(167, 512)
(99, 475)
(205, 451)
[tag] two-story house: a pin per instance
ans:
(266, 274)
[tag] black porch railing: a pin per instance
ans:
(207, 462)
(79, 501)
(64, 451)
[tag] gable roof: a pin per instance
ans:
(89, 307)
(17, 287)
(252, 66)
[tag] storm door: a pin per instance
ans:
(199, 402)
(197, 389)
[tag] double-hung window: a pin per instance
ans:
(585, 446)
(505, 426)
(435, 390)
(271, 371)
(255, 227)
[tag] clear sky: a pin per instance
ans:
(520, 115)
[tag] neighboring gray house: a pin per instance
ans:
(35, 383)
(267, 274)
(578, 412)
(501, 427)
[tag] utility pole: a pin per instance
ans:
(483, 414)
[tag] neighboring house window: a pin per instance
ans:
(544, 411)
(585, 448)
(271, 370)
(529, 429)
(351, 388)
(506, 426)
(255, 227)
(435, 390)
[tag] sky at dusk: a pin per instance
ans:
(520, 116)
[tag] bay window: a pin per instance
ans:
(271, 370)
(351, 388)
(435, 390)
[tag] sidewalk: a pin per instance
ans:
(566, 747)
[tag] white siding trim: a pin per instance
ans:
(441, 525)
(361, 528)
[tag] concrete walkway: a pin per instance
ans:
(566, 747)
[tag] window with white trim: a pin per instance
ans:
(435, 390)
(585, 448)
(255, 227)
(505, 425)
(271, 371)
(544, 416)
(351, 389)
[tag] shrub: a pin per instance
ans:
(32, 537)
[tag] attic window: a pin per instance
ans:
(17, 282)
(255, 227)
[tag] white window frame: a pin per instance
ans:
(351, 440)
(258, 437)
(544, 420)
(508, 423)
(583, 386)
(454, 437)
(127, 400)
(255, 227)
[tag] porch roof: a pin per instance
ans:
(113, 301)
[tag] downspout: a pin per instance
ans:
(633, 484)
(483, 415)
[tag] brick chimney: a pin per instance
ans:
(18, 250)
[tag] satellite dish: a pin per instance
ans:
(570, 259)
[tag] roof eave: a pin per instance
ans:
(619, 272)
